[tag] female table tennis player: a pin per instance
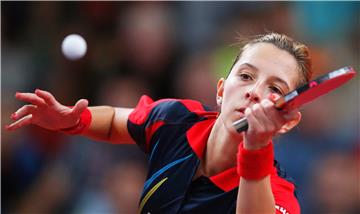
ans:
(198, 163)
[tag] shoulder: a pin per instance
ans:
(165, 109)
(151, 120)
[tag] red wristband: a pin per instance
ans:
(83, 124)
(255, 164)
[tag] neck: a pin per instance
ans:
(221, 149)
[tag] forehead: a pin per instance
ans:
(271, 61)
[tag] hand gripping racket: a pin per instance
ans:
(307, 92)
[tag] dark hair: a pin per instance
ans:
(298, 50)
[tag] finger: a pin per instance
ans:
(48, 97)
(30, 98)
(80, 106)
(259, 114)
(20, 123)
(265, 120)
(272, 114)
(254, 124)
(286, 115)
(23, 111)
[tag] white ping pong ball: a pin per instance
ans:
(74, 47)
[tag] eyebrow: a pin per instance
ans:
(251, 66)
(278, 79)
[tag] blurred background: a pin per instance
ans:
(165, 49)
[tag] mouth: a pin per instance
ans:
(241, 111)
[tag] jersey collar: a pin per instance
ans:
(197, 137)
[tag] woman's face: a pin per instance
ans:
(263, 69)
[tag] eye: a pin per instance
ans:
(277, 90)
(245, 77)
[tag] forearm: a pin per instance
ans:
(254, 168)
(255, 196)
(101, 120)
(108, 124)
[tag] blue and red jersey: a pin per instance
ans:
(174, 133)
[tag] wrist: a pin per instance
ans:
(250, 145)
(255, 164)
(82, 124)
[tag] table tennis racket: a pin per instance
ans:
(308, 92)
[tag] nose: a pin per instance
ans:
(253, 96)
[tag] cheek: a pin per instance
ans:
(232, 92)
(230, 98)
(229, 88)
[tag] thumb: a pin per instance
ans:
(80, 106)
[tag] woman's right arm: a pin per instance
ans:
(108, 124)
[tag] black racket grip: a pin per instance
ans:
(241, 125)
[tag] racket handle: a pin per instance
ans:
(241, 125)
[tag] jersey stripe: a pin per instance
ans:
(150, 193)
(168, 166)
(153, 150)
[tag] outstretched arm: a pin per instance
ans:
(108, 124)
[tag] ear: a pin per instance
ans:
(220, 91)
(291, 124)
